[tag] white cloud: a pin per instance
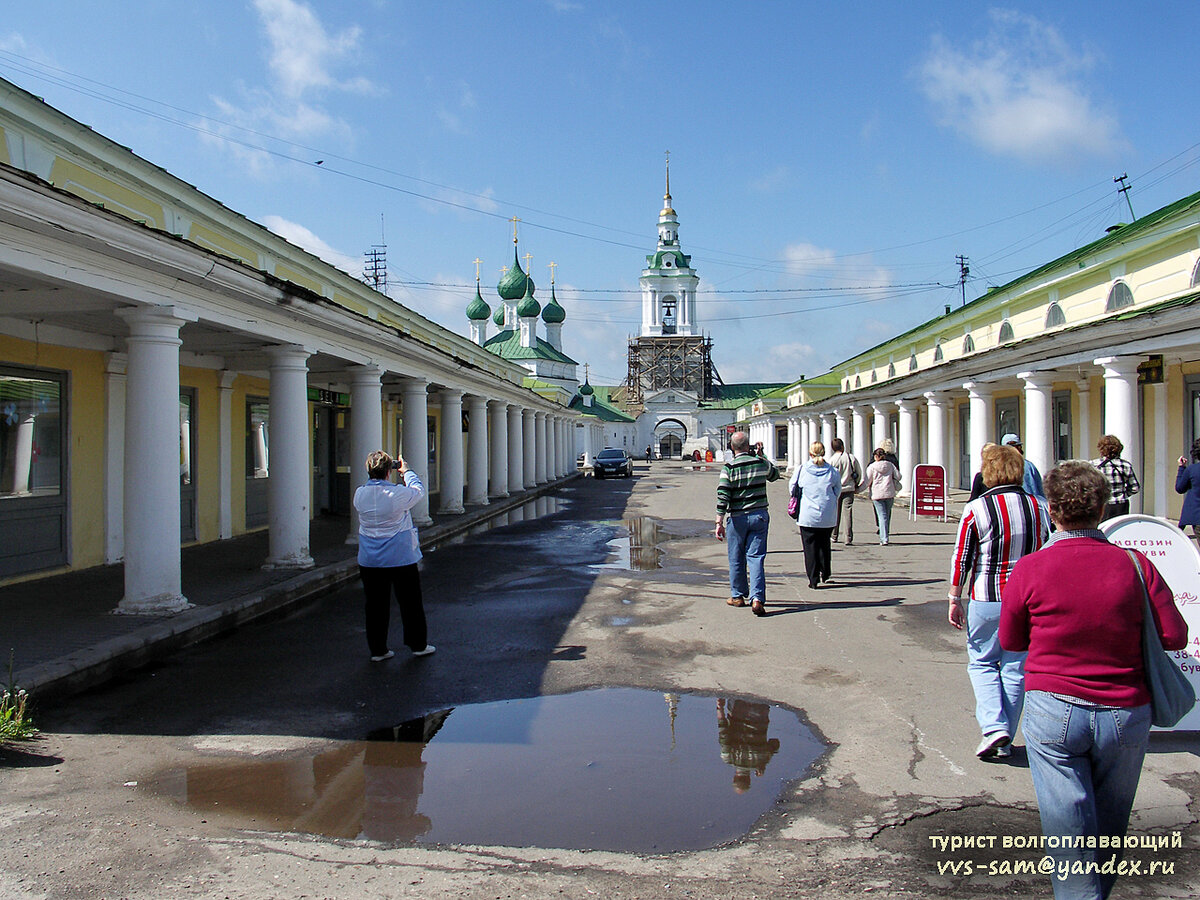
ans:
(307, 240)
(303, 53)
(1020, 92)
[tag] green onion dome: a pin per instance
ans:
(498, 315)
(552, 313)
(477, 309)
(515, 283)
(586, 390)
(528, 306)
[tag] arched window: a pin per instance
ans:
(1196, 274)
(874, 376)
(912, 363)
(1119, 297)
(858, 381)
(891, 370)
(938, 356)
(968, 345)
(1054, 316)
(1006, 332)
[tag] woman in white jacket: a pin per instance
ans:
(882, 480)
(819, 484)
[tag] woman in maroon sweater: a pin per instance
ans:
(1076, 606)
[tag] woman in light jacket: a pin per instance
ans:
(388, 552)
(819, 484)
(883, 480)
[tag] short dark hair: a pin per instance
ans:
(1077, 493)
(379, 464)
(1110, 446)
(837, 445)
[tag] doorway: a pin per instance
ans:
(331, 460)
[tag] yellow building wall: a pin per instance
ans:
(95, 188)
(206, 465)
(221, 242)
(244, 386)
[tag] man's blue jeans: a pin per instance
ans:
(1085, 764)
(746, 537)
(997, 675)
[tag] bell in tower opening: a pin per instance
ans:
(668, 315)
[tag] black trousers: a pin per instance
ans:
(378, 585)
(817, 553)
(1114, 509)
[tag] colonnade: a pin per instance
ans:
(508, 448)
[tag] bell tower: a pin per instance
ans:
(668, 282)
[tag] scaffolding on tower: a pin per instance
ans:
(675, 362)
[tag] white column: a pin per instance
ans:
(415, 439)
(589, 443)
(498, 448)
(153, 579)
(451, 469)
(907, 451)
(1121, 407)
(539, 448)
(366, 430)
(841, 426)
(289, 449)
(529, 444)
(861, 448)
(114, 458)
(560, 443)
(793, 442)
(1084, 447)
(1039, 419)
(477, 450)
(225, 454)
(938, 420)
(516, 450)
(1164, 465)
(827, 430)
(981, 421)
(880, 429)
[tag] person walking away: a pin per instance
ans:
(883, 480)
(1077, 608)
(388, 552)
(977, 485)
(1032, 479)
(742, 496)
(996, 530)
(819, 484)
(1121, 478)
(850, 471)
(1187, 482)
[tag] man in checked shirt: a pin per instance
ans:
(1120, 475)
(742, 496)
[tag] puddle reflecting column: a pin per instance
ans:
(498, 448)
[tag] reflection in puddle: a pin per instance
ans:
(545, 505)
(610, 769)
(639, 551)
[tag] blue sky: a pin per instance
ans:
(828, 161)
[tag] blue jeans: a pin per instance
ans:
(883, 515)
(746, 537)
(1085, 765)
(997, 675)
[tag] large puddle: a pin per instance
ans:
(609, 769)
(639, 551)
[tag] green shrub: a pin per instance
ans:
(15, 723)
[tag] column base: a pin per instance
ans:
(451, 510)
(289, 562)
(503, 495)
(160, 605)
(422, 521)
(478, 501)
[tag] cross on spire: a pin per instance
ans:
(528, 257)
(514, 221)
(552, 266)
(478, 263)
(667, 195)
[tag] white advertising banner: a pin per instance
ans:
(1177, 559)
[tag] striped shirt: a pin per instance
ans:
(1120, 476)
(996, 530)
(743, 485)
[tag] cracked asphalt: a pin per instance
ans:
(538, 607)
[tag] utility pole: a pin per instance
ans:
(375, 267)
(963, 271)
(1124, 189)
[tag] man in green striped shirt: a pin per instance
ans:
(742, 496)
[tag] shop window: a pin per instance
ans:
(1055, 316)
(1119, 297)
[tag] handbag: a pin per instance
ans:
(1171, 694)
(794, 502)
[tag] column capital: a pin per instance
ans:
(137, 316)
(1037, 380)
(937, 398)
(226, 379)
(285, 355)
(366, 374)
(411, 384)
(1118, 366)
(451, 394)
(116, 363)
(981, 389)
(883, 406)
(909, 404)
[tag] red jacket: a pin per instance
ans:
(1076, 606)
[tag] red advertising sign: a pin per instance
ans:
(929, 491)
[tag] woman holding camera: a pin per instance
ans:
(388, 552)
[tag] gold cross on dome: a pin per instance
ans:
(514, 221)
(528, 257)
(503, 271)
(552, 266)
(478, 263)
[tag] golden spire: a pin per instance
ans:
(667, 210)
(528, 257)
(478, 263)
(514, 221)
(552, 266)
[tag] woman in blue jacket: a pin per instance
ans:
(819, 484)
(1187, 482)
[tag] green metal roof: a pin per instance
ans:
(732, 396)
(507, 345)
(600, 408)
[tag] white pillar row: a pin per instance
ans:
(939, 408)
(827, 432)
(793, 441)
(498, 448)
(588, 444)
(451, 473)
(858, 417)
(366, 430)
(114, 459)
(801, 440)
(225, 454)
(560, 444)
(289, 448)
(539, 448)
(516, 450)
(415, 439)
(1164, 465)
(982, 414)
(477, 450)
(1039, 419)
(529, 445)
(1083, 429)
(150, 513)
(879, 430)
(553, 448)
(1121, 407)
(841, 426)
(909, 441)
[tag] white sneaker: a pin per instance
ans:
(991, 744)
(1004, 752)
(383, 656)
(429, 649)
